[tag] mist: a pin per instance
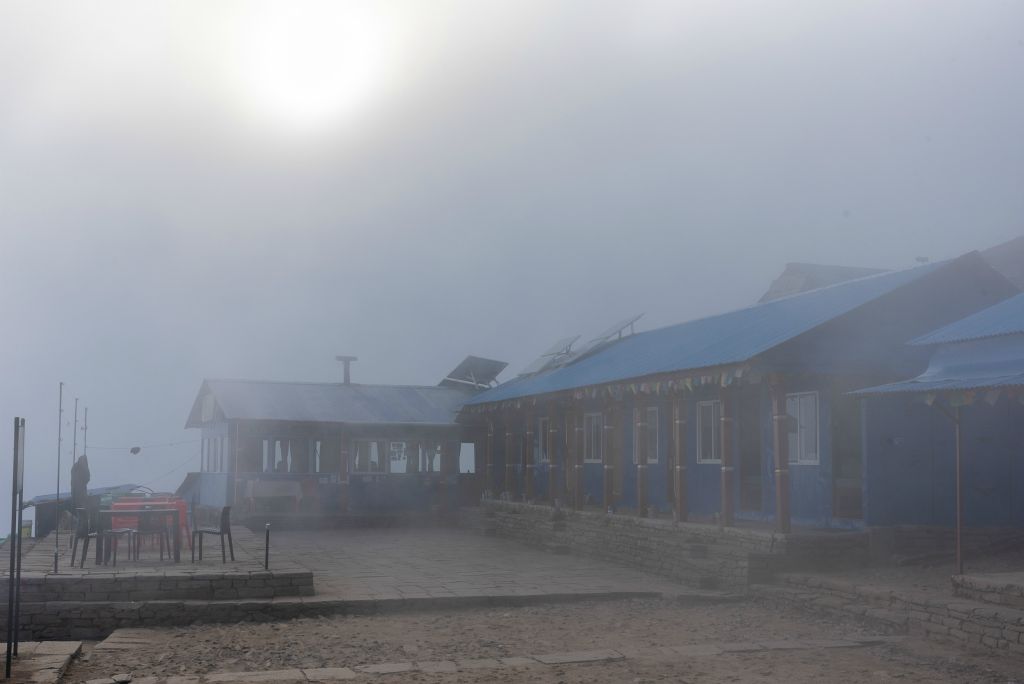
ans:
(518, 172)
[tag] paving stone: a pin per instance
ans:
(578, 657)
(519, 661)
(269, 676)
(781, 645)
(478, 664)
(187, 679)
(697, 650)
(432, 666)
(384, 668)
(739, 647)
(329, 674)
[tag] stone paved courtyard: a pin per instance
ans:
(435, 562)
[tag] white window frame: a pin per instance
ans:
(588, 447)
(540, 452)
(381, 458)
(799, 433)
(716, 431)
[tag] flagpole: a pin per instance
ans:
(56, 511)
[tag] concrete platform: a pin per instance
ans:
(43, 662)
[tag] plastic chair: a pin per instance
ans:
(221, 531)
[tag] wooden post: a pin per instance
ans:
(640, 444)
(528, 465)
(780, 434)
(489, 459)
(579, 497)
(509, 467)
(728, 471)
(552, 461)
(679, 446)
(608, 458)
(344, 470)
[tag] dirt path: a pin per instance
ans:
(490, 633)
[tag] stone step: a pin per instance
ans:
(556, 547)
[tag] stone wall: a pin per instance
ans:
(905, 610)
(90, 607)
(700, 555)
(1001, 589)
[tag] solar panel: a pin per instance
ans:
(551, 356)
(475, 371)
(599, 341)
(562, 346)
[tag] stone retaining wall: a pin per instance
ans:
(150, 587)
(1003, 589)
(963, 620)
(701, 555)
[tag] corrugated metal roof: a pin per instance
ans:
(1004, 318)
(331, 402)
(724, 339)
(92, 491)
(977, 364)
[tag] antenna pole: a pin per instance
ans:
(85, 432)
(74, 440)
(56, 511)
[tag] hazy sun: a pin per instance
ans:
(311, 65)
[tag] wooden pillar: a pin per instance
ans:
(412, 456)
(679, 449)
(449, 470)
(527, 458)
(549, 446)
(579, 493)
(344, 470)
(609, 452)
(509, 466)
(640, 442)
(489, 459)
(780, 434)
(728, 471)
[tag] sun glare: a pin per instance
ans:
(309, 66)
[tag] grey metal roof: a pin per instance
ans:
(330, 402)
(728, 338)
(92, 491)
(801, 277)
(977, 364)
(1004, 318)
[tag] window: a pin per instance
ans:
(709, 421)
(430, 457)
(399, 459)
(593, 429)
(651, 414)
(467, 457)
(540, 450)
(366, 457)
(314, 455)
(803, 430)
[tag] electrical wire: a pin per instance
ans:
(144, 446)
(169, 472)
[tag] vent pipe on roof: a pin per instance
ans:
(347, 361)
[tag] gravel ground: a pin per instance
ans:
(488, 633)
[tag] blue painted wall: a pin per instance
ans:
(909, 463)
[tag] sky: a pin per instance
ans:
(247, 189)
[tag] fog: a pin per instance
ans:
(195, 190)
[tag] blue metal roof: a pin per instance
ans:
(728, 338)
(331, 402)
(1004, 318)
(92, 491)
(977, 364)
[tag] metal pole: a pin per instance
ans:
(959, 502)
(17, 580)
(74, 440)
(85, 432)
(13, 544)
(266, 550)
(56, 511)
